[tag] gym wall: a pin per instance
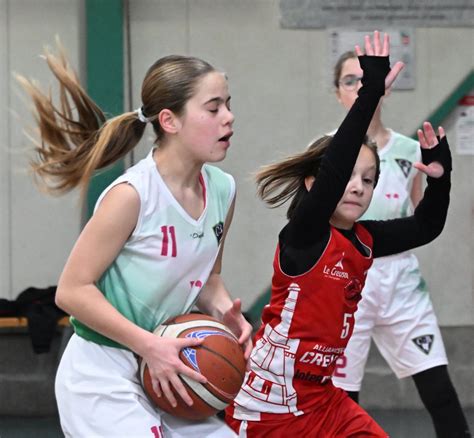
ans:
(281, 98)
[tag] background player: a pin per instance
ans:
(396, 309)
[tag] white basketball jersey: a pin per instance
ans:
(169, 256)
(391, 197)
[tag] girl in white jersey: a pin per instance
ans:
(152, 249)
(396, 310)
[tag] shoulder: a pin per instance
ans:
(219, 181)
(407, 145)
(140, 178)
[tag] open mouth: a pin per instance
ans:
(226, 137)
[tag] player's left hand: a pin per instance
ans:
(234, 319)
(428, 140)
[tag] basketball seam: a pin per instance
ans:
(223, 358)
(207, 397)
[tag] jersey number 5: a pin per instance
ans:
(346, 325)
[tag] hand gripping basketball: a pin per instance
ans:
(219, 358)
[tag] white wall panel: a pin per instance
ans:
(42, 228)
(5, 241)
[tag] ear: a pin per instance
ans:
(338, 95)
(169, 122)
(308, 182)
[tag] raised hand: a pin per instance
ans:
(379, 48)
(234, 319)
(428, 140)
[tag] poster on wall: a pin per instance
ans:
(464, 126)
(402, 48)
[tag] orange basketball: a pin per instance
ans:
(219, 358)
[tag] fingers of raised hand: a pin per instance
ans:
(394, 72)
(377, 47)
(441, 132)
(434, 169)
(377, 43)
(369, 50)
(427, 136)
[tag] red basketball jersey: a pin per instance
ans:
(305, 329)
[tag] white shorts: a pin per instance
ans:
(395, 311)
(99, 395)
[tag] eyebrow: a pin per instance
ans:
(217, 100)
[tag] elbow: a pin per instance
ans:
(61, 300)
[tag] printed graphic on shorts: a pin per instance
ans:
(424, 343)
(274, 355)
(404, 165)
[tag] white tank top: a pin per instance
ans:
(169, 256)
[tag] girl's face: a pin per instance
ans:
(205, 126)
(349, 82)
(358, 193)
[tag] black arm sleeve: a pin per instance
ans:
(311, 218)
(398, 235)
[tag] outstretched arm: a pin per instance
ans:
(394, 236)
(341, 155)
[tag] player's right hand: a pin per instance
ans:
(165, 366)
(377, 48)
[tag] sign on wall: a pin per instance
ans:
(402, 48)
(465, 126)
(376, 13)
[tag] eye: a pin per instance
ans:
(369, 181)
(350, 81)
(213, 111)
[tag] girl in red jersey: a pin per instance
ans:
(320, 266)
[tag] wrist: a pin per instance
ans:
(142, 342)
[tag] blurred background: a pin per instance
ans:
(278, 56)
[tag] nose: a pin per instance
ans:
(356, 186)
(228, 117)
(359, 84)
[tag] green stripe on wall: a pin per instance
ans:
(105, 75)
(450, 103)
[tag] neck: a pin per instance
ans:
(176, 168)
(378, 132)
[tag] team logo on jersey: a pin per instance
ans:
(404, 165)
(424, 343)
(218, 231)
(337, 271)
(339, 263)
(353, 289)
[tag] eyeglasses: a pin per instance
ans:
(350, 82)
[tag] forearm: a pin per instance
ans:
(214, 299)
(398, 235)
(87, 304)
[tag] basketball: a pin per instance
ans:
(219, 358)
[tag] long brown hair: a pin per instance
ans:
(340, 64)
(75, 136)
(279, 182)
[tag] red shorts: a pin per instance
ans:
(343, 418)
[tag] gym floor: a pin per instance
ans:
(398, 423)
